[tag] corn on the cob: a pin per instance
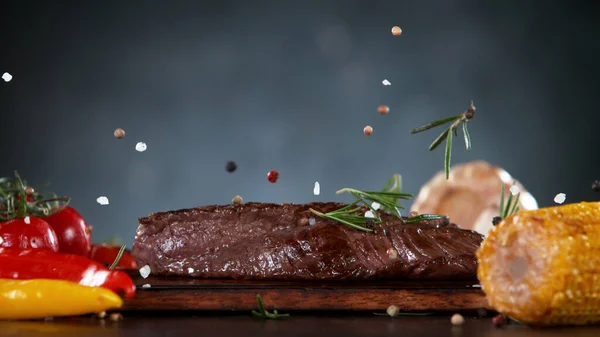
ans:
(542, 267)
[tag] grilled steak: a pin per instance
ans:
(288, 242)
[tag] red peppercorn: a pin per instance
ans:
(499, 320)
(272, 176)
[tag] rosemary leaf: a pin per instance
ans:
(508, 204)
(448, 153)
(467, 136)
(439, 139)
(394, 185)
(118, 258)
(263, 313)
(513, 210)
(341, 220)
(502, 202)
(424, 217)
(431, 125)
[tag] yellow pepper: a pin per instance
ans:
(40, 298)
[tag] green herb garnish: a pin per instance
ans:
(425, 217)
(511, 207)
(118, 258)
(352, 215)
(263, 313)
(17, 200)
(457, 120)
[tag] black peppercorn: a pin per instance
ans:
(596, 186)
(496, 220)
(231, 166)
(370, 223)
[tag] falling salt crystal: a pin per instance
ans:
(369, 214)
(1, 240)
(146, 286)
(514, 189)
(560, 198)
(145, 271)
(140, 147)
(27, 220)
(7, 77)
(386, 82)
(190, 270)
(312, 221)
(317, 189)
(375, 205)
(102, 201)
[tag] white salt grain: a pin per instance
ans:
(27, 220)
(386, 82)
(140, 147)
(317, 188)
(369, 214)
(393, 311)
(7, 77)
(560, 198)
(312, 221)
(190, 270)
(145, 271)
(102, 200)
(514, 190)
(1, 240)
(375, 205)
(146, 286)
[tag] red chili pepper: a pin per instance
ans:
(26, 264)
(106, 254)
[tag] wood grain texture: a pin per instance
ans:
(175, 293)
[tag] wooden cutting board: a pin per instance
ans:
(178, 293)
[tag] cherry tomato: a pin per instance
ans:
(74, 235)
(107, 254)
(25, 233)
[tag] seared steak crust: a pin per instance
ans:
(287, 242)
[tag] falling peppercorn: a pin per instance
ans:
(231, 166)
(272, 176)
(596, 186)
(368, 130)
(237, 200)
(370, 223)
(496, 220)
(383, 109)
(396, 31)
(29, 190)
(119, 133)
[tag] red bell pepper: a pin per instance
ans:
(26, 264)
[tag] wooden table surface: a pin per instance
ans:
(153, 325)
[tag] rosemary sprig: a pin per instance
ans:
(118, 258)
(17, 202)
(263, 313)
(352, 215)
(512, 205)
(447, 133)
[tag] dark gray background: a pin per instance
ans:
(289, 85)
